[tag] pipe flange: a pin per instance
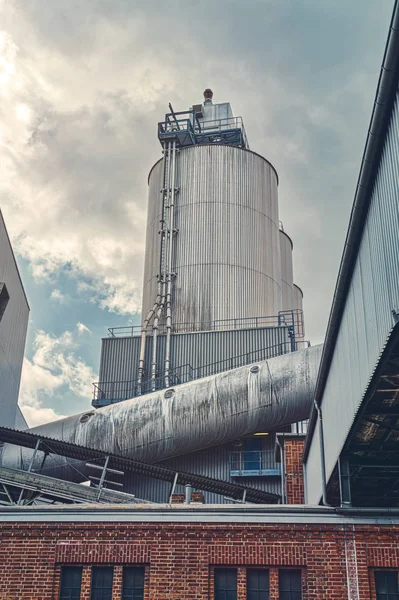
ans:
(254, 369)
(84, 418)
(169, 393)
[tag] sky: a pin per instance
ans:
(82, 87)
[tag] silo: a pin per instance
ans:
(287, 276)
(226, 256)
(298, 305)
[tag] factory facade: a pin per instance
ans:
(321, 519)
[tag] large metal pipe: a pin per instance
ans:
(193, 416)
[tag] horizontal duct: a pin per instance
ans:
(193, 416)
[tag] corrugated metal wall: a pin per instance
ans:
(120, 355)
(367, 320)
(213, 462)
(227, 250)
(13, 326)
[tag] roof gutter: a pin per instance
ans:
(382, 110)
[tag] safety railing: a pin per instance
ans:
(290, 318)
(107, 392)
(253, 463)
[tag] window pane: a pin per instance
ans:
(71, 581)
(225, 584)
(386, 584)
(257, 584)
(133, 583)
(101, 583)
(290, 584)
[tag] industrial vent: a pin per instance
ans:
(4, 298)
(197, 108)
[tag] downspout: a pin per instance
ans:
(163, 275)
(159, 285)
(170, 274)
(282, 470)
(322, 454)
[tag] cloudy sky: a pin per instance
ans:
(82, 87)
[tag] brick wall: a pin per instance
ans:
(294, 484)
(180, 558)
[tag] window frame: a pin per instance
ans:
(63, 594)
(127, 595)
(262, 594)
(99, 568)
(386, 595)
(224, 593)
(283, 593)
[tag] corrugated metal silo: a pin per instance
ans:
(287, 275)
(227, 248)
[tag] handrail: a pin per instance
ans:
(124, 389)
(284, 317)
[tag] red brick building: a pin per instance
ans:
(183, 552)
(199, 552)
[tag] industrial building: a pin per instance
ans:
(181, 503)
(14, 317)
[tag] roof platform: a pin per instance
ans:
(186, 129)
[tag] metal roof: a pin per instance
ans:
(83, 453)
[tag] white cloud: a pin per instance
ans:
(82, 328)
(54, 370)
(84, 85)
(58, 296)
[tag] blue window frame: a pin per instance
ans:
(101, 583)
(133, 583)
(386, 585)
(258, 584)
(290, 584)
(252, 454)
(225, 584)
(71, 583)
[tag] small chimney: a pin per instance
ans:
(208, 95)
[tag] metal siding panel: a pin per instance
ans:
(367, 319)
(227, 253)
(213, 462)
(13, 327)
(120, 356)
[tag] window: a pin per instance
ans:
(71, 581)
(101, 583)
(133, 583)
(386, 585)
(290, 584)
(257, 584)
(225, 584)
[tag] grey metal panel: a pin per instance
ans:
(20, 421)
(227, 251)
(367, 318)
(211, 463)
(120, 356)
(13, 326)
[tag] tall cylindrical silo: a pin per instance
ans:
(298, 305)
(226, 253)
(287, 275)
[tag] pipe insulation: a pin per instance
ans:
(193, 416)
